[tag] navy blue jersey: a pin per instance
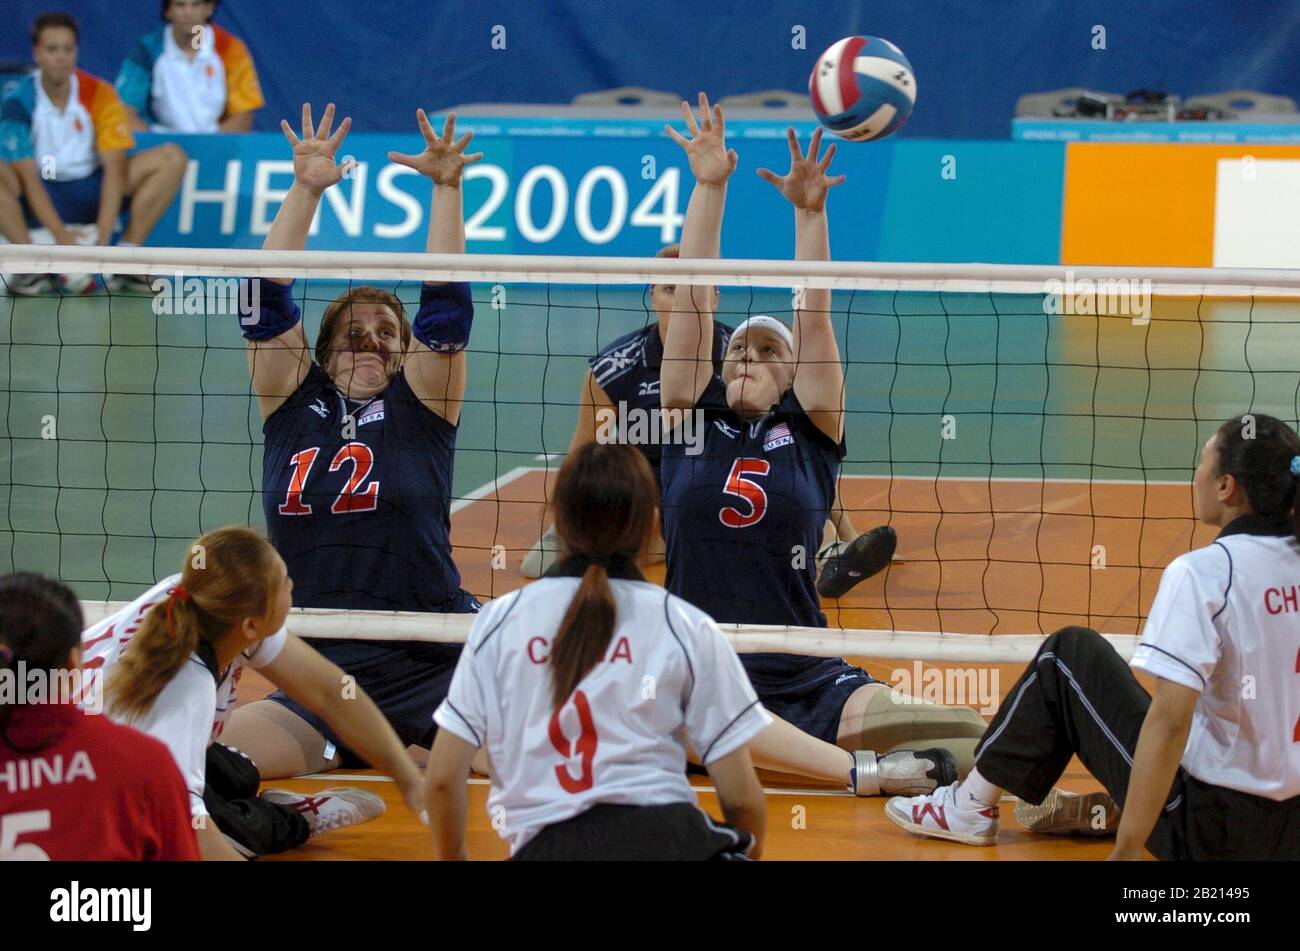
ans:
(743, 521)
(363, 522)
(628, 371)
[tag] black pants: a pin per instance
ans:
(1079, 696)
(680, 832)
(230, 795)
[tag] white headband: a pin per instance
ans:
(767, 323)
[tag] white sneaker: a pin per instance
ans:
(1066, 813)
(31, 285)
(541, 556)
(331, 808)
(938, 816)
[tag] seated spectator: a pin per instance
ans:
(190, 76)
(63, 157)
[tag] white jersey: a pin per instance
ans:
(192, 709)
(1226, 623)
(188, 95)
(668, 677)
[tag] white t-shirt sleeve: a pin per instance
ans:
(1180, 642)
(464, 711)
(181, 717)
(268, 649)
(722, 712)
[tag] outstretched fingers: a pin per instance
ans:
(426, 130)
(771, 177)
(288, 132)
(677, 136)
(690, 118)
(793, 141)
(326, 121)
(449, 128)
(307, 130)
(340, 134)
(826, 159)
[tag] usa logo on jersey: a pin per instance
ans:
(373, 412)
(778, 436)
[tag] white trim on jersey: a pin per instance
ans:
(1221, 625)
(192, 709)
(669, 677)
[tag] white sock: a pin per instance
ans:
(127, 244)
(976, 792)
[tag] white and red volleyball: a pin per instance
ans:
(862, 88)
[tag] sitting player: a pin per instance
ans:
(1205, 769)
(109, 793)
(738, 514)
(357, 474)
(190, 76)
(172, 661)
(574, 650)
(63, 158)
(624, 377)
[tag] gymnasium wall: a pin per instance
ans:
(905, 200)
(973, 58)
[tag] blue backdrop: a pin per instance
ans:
(973, 58)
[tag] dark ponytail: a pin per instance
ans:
(1261, 452)
(605, 499)
(40, 625)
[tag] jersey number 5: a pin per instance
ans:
(586, 746)
(747, 489)
(349, 500)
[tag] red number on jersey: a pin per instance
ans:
(362, 461)
(586, 745)
(747, 489)
(1295, 737)
(302, 463)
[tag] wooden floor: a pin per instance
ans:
(805, 820)
(979, 557)
(803, 824)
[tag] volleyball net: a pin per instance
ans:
(1029, 432)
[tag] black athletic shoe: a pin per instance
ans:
(868, 554)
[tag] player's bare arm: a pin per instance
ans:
(279, 365)
(1160, 747)
(319, 685)
(445, 794)
(438, 378)
(820, 388)
(688, 345)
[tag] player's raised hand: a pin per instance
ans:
(711, 161)
(443, 157)
(314, 167)
(806, 184)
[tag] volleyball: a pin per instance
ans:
(862, 88)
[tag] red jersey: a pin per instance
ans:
(76, 786)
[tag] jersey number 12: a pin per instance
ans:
(349, 500)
